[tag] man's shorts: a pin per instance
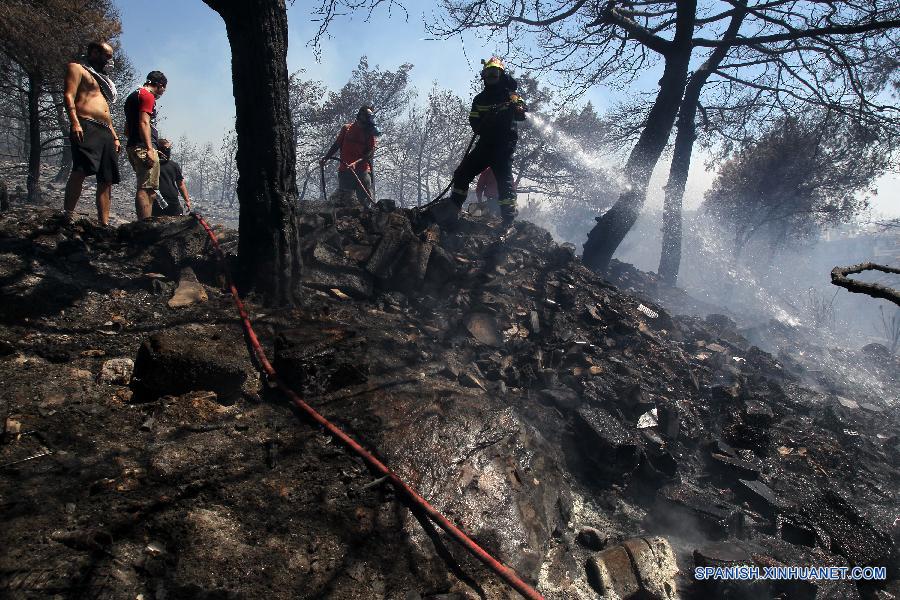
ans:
(95, 154)
(146, 169)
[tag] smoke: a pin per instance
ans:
(781, 298)
(586, 181)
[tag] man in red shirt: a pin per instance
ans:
(487, 187)
(356, 142)
(140, 127)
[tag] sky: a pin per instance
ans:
(186, 40)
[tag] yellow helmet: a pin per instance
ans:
(492, 62)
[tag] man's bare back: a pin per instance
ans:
(89, 100)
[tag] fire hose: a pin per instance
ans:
(506, 573)
(446, 189)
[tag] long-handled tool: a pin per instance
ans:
(352, 168)
(322, 177)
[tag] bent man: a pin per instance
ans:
(140, 127)
(87, 94)
(171, 182)
(356, 142)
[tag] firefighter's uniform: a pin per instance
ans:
(494, 114)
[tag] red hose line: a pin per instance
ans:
(504, 572)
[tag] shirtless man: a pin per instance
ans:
(95, 144)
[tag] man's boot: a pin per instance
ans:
(508, 213)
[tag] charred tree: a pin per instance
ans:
(875, 290)
(613, 226)
(670, 256)
(65, 162)
(827, 54)
(269, 244)
(33, 180)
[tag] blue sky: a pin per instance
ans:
(186, 40)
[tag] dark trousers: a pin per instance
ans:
(488, 153)
(348, 184)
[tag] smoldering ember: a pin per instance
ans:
(309, 362)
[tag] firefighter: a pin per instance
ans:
(494, 114)
(356, 142)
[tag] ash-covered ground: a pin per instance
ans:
(577, 431)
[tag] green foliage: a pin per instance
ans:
(801, 175)
(42, 35)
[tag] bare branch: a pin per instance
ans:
(612, 16)
(329, 10)
(875, 290)
(548, 21)
(799, 34)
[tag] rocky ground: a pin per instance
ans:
(121, 201)
(591, 439)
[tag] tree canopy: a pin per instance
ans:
(800, 175)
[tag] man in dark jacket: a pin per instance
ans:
(494, 114)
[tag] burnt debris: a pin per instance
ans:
(586, 435)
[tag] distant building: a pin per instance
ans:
(859, 242)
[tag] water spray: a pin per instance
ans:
(574, 151)
(564, 143)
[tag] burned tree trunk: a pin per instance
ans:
(875, 290)
(670, 256)
(33, 180)
(65, 163)
(613, 226)
(269, 243)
